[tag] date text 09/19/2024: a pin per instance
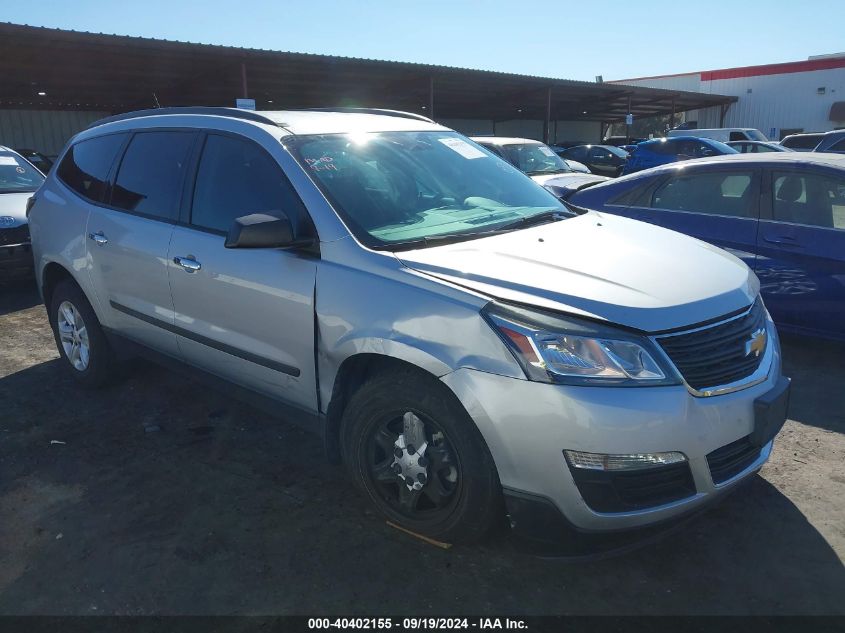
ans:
(411, 623)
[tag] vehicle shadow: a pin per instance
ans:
(18, 295)
(817, 369)
(162, 496)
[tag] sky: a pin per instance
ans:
(557, 38)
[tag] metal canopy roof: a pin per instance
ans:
(114, 73)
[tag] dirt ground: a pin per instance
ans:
(160, 496)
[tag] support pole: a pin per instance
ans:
(672, 121)
(725, 108)
(243, 80)
(547, 123)
(627, 126)
(431, 98)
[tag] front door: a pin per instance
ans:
(246, 315)
(719, 207)
(801, 246)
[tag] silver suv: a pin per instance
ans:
(466, 344)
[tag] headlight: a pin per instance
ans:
(559, 349)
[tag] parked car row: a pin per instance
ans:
(781, 213)
(465, 343)
(560, 176)
(18, 181)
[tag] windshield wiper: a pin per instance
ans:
(539, 218)
(435, 240)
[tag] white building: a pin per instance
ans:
(777, 99)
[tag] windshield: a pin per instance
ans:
(396, 188)
(722, 147)
(621, 153)
(535, 159)
(756, 135)
(17, 175)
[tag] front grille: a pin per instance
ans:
(732, 459)
(716, 355)
(16, 235)
(620, 491)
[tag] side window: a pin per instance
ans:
(663, 148)
(738, 136)
(149, 179)
(703, 149)
(815, 199)
(236, 178)
(634, 196)
(838, 146)
(492, 148)
(85, 168)
(721, 193)
(577, 153)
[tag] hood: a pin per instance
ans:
(13, 205)
(601, 266)
(544, 179)
(564, 185)
(574, 165)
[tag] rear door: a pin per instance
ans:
(129, 236)
(801, 247)
(720, 206)
(246, 315)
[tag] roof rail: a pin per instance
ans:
(381, 111)
(232, 113)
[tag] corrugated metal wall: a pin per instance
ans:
(43, 130)
(789, 101)
(770, 103)
(690, 82)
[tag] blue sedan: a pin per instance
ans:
(661, 151)
(782, 213)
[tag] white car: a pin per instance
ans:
(560, 176)
(18, 181)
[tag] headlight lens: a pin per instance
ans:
(557, 349)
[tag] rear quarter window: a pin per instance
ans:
(86, 165)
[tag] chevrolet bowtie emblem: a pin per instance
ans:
(757, 343)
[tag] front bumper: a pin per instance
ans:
(16, 261)
(527, 426)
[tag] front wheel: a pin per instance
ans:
(415, 452)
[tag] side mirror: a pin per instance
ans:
(261, 230)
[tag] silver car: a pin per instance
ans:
(561, 176)
(467, 345)
(18, 180)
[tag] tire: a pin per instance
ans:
(460, 474)
(99, 366)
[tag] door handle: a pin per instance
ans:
(189, 264)
(781, 241)
(98, 238)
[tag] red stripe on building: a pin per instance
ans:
(752, 71)
(774, 69)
